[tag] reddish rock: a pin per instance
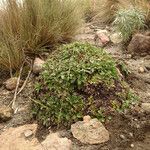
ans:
(102, 38)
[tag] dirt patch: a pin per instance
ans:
(23, 106)
(125, 130)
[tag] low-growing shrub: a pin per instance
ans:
(77, 80)
(36, 25)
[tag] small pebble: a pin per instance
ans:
(137, 126)
(141, 70)
(132, 145)
(128, 56)
(86, 119)
(122, 136)
(28, 133)
(135, 119)
(131, 134)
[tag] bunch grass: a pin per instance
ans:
(35, 25)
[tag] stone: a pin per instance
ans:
(132, 145)
(54, 142)
(11, 83)
(139, 45)
(86, 119)
(5, 113)
(131, 134)
(102, 38)
(28, 133)
(116, 38)
(146, 107)
(141, 70)
(122, 136)
(90, 131)
(38, 65)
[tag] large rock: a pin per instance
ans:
(102, 38)
(90, 131)
(146, 107)
(140, 44)
(5, 113)
(54, 142)
(38, 65)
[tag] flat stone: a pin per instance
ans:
(28, 133)
(15, 139)
(90, 131)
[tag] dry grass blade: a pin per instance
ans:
(16, 90)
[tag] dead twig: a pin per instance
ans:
(25, 82)
(17, 86)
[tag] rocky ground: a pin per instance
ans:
(126, 131)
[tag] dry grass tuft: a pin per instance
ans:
(35, 25)
(104, 10)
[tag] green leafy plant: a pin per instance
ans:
(123, 68)
(129, 21)
(78, 79)
(34, 26)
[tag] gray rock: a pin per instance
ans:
(90, 131)
(5, 113)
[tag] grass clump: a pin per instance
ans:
(78, 80)
(129, 21)
(36, 26)
(105, 10)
